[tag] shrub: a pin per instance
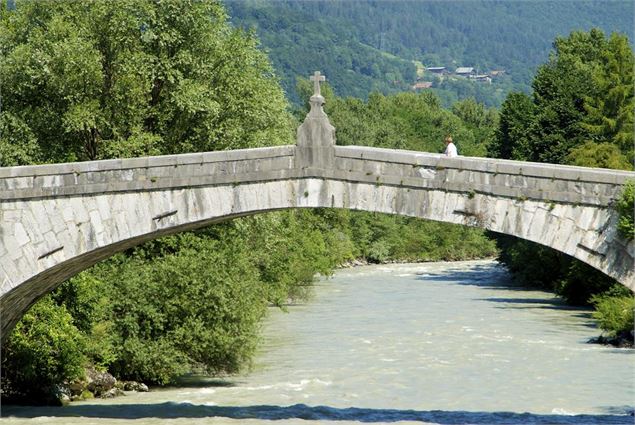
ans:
(581, 283)
(625, 207)
(614, 313)
(44, 349)
(199, 307)
(378, 251)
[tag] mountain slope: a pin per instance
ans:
(347, 39)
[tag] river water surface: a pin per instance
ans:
(447, 343)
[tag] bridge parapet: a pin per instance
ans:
(502, 178)
(512, 179)
(147, 173)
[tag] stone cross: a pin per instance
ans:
(316, 78)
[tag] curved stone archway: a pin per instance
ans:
(57, 220)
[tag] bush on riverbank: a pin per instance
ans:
(614, 312)
(379, 238)
(44, 350)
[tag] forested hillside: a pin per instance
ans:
(297, 42)
(369, 46)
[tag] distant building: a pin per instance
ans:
(496, 72)
(483, 78)
(437, 70)
(422, 85)
(464, 71)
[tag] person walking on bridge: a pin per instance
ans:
(450, 148)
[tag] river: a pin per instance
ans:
(446, 343)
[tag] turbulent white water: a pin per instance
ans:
(447, 343)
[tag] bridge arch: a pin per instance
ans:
(57, 220)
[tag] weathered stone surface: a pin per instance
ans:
(112, 393)
(59, 219)
(135, 386)
(99, 383)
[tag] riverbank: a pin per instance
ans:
(359, 262)
(94, 384)
(623, 340)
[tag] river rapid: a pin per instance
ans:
(446, 343)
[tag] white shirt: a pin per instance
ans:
(450, 150)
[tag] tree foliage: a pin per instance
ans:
(199, 306)
(626, 209)
(412, 121)
(614, 314)
(512, 139)
(610, 116)
(581, 108)
(127, 78)
(601, 155)
(44, 349)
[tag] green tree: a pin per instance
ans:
(475, 114)
(560, 87)
(410, 121)
(601, 155)
(625, 206)
(512, 139)
(167, 78)
(18, 144)
(614, 314)
(199, 307)
(44, 349)
(610, 116)
(581, 113)
(584, 93)
(86, 298)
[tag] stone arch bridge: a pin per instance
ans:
(57, 220)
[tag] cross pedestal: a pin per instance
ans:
(315, 143)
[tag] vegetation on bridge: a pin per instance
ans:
(625, 207)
